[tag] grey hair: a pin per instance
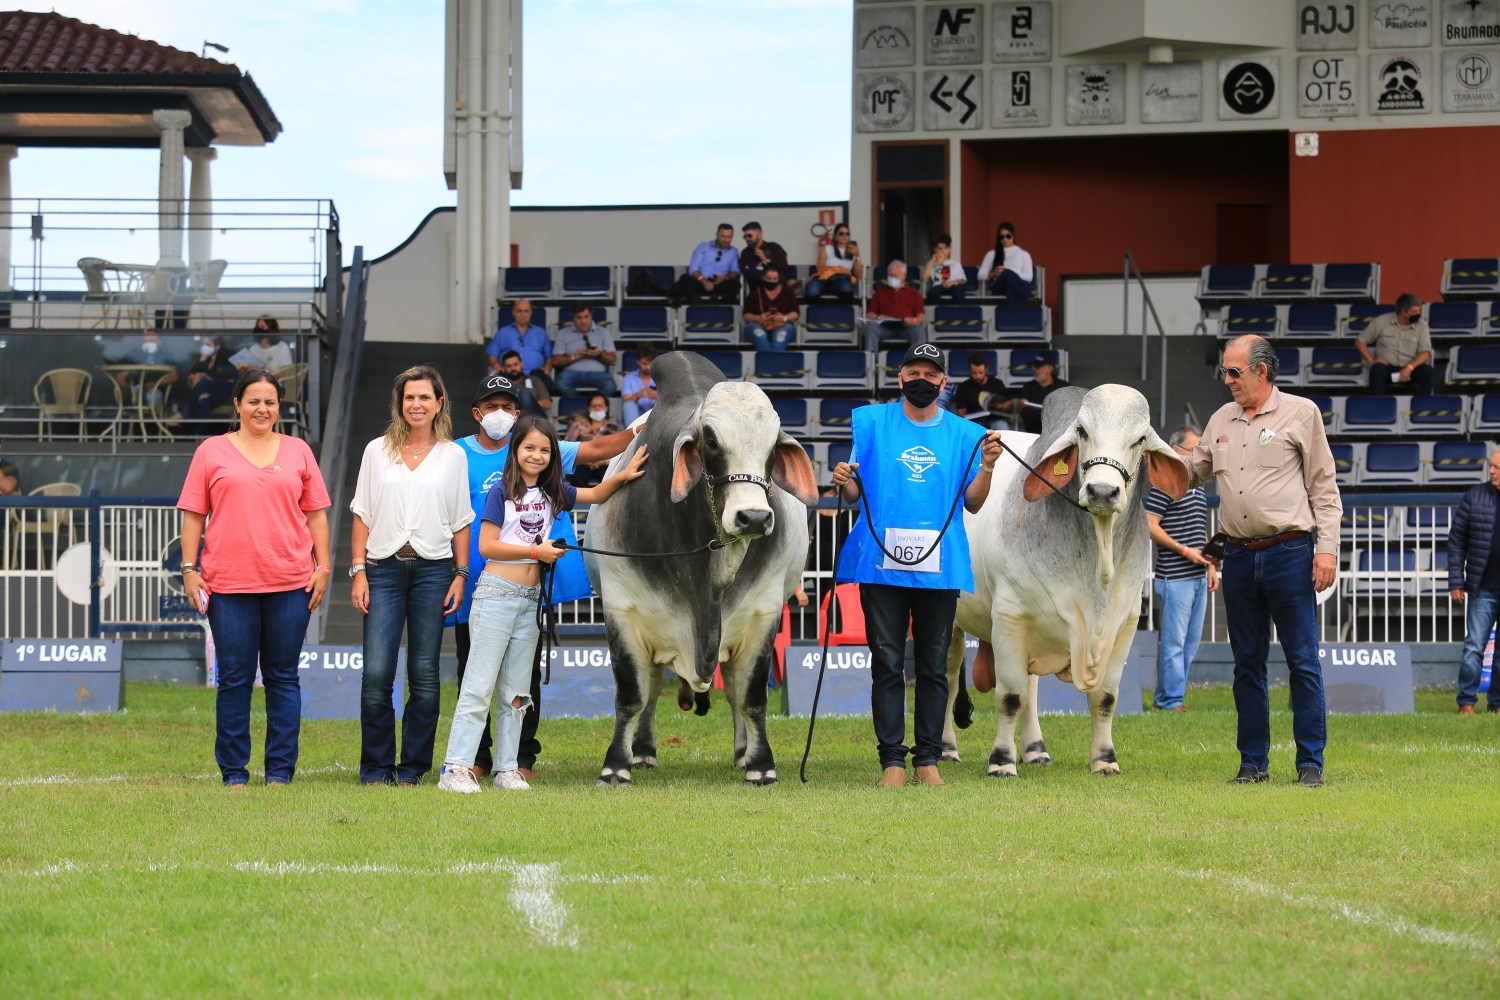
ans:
(1260, 352)
(1181, 434)
(893, 263)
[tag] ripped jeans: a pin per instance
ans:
(503, 635)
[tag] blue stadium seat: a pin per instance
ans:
(571, 406)
(527, 282)
(956, 325)
(1335, 366)
(1327, 407)
(1289, 360)
(565, 315)
(1437, 415)
(829, 324)
(1383, 572)
(1471, 276)
(1249, 317)
(891, 367)
(504, 317)
(958, 363)
(1490, 325)
(1397, 463)
(1287, 281)
(842, 370)
(1362, 314)
(665, 275)
(1453, 319)
(1434, 581)
(1485, 417)
(1020, 323)
(780, 370)
(1474, 365)
(1308, 320)
(1349, 282)
(913, 275)
(709, 325)
(643, 323)
(1459, 462)
(588, 283)
(839, 451)
(1226, 281)
(1370, 415)
(793, 413)
(1345, 468)
(731, 363)
(1362, 525)
(1427, 523)
(834, 416)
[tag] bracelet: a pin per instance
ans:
(533, 552)
(321, 569)
(986, 468)
(189, 567)
(462, 571)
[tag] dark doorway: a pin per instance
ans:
(909, 219)
(1244, 235)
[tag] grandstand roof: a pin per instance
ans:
(66, 82)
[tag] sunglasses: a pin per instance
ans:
(1007, 236)
(1234, 373)
(718, 256)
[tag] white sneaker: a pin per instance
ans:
(511, 781)
(457, 778)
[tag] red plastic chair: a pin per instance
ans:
(848, 617)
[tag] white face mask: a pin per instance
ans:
(497, 424)
(149, 346)
(894, 282)
(598, 414)
(206, 350)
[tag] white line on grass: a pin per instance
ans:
(1367, 918)
(1444, 746)
(532, 894)
(68, 779)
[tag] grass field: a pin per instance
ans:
(126, 871)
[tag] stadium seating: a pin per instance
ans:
(1345, 464)
(1453, 319)
(843, 370)
(1393, 463)
(1485, 415)
(1361, 314)
(1474, 365)
(1327, 406)
(1335, 366)
(643, 323)
(817, 454)
(505, 317)
(1287, 281)
(1309, 320)
(1370, 415)
(1471, 277)
(780, 370)
(731, 363)
(1249, 317)
(1363, 524)
(1221, 283)
(834, 414)
(588, 283)
(826, 324)
(1436, 415)
(709, 325)
(1013, 324)
(1427, 524)
(1289, 360)
(1490, 326)
(956, 325)
(1350, 282)
(665, 276)
(958, 362)
(793, 411)
(1458, 462)
(1381, 572)
(526, 282)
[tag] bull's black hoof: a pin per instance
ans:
(614, 779)
(643, 760)
(1041, 760)
(701, 704)
(997, 772)
(760, 779)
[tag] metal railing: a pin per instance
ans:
(1147, 307)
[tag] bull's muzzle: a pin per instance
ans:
(1102, 497)
(752, 522)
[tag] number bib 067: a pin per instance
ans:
(910, 544)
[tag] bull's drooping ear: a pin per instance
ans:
(1166, 469)
(1058, 468)
(687, 466)
(792, 471)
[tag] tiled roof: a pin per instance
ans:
(51, 43)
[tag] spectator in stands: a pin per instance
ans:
(583, 356)
(896, 307)
(152, 351)
(713, 272)
(758, 254)
(1398, 348)
(410, 550)
(1184, 578)
(591, 427)
(1008, 268)
(255, 502)
(943, 276)
(210, 382)
(838, 270)
(770, 312)
(269, 349)
(531, 342)
(1474, 578)
(10, 476)
(1043, 383)
(534, 395)
(979, 394)
(638, 390)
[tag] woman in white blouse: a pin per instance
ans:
(410, 558)
(1007, 269)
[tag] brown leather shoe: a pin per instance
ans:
(892, 777)
(1466, 710)
(479, 771)
(525, 772)
(1179, 708)
(927, 774)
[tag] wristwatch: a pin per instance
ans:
(356, 568)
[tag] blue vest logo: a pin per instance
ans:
(918, 460)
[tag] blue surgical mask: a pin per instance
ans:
(894, 282)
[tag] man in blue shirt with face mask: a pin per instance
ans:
(496, 408)
(913, 459)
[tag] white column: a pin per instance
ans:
(200, 205)
(169, 185)
(473, 164)
(496, 183)
(7, 153)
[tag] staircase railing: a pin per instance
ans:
(1147, 307)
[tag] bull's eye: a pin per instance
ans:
(1140, 443)
(1083, 435)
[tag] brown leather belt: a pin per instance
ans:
(1266, 541)
(407, 552)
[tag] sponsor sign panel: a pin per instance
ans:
(1171, 92)
(1249, 88)
(1096, 94)
(1021, 32)
(884, 36)
(1327, 86)
(60, 675)
(1020, 96)
(955, 34)
(1400, 24)
(1360, 678)
(885, 102)
(846, 682)
(328, 676)
(1471, 22)
(1053, 695)
(1327, 27)
(1470, 79)
(1401, 83)
(953, 99)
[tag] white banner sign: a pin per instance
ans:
(1020, 96)
(1470, 80)
(1096, 94)
(1327, 86)
(1327, 27)
(1022, 32)
(1401, 83)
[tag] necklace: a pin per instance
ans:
(418, 453)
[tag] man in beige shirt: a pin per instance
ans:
(1398, 349)
(1279, 506)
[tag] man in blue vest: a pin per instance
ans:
(913, 459)
(496, 406)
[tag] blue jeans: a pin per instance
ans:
(1016, 289)
(1275, 585)
(839, 285)
(572, 383)
(937, 293)
(404, 594)
(1183, 603)
(888, 610)
(1483, 606)
(502, 644)
(268, 628)
(775, 341)
(206, 397)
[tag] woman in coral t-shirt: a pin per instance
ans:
(256, 502)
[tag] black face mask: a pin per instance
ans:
(920, 393)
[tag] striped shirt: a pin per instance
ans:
(1186, 521)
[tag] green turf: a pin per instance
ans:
(1164, 881)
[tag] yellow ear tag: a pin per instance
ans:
(1060, 469)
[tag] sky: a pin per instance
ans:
(625, 102)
